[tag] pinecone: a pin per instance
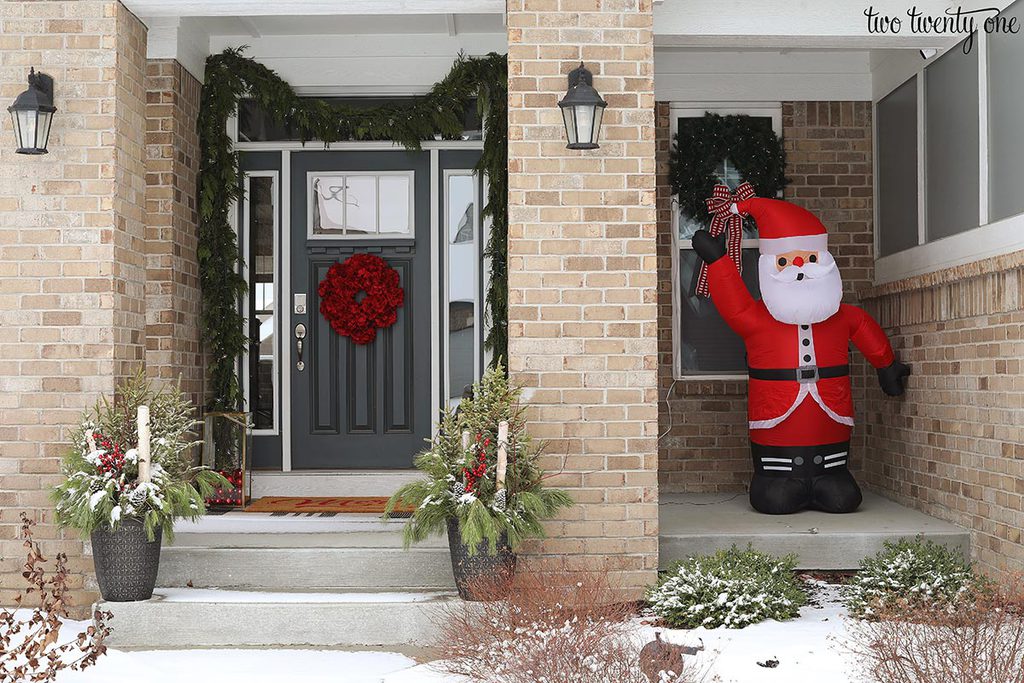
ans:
(95, 485)
(500, 500)
(138, 497)
(458, 489)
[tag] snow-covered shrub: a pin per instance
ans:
(913, 571)
(732, 588)
(566, 627)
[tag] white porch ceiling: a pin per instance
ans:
(251, 8)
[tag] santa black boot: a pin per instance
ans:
(790, 478)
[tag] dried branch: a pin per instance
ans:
(31, 648)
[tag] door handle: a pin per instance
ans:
(300, 334)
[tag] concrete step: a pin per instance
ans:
(177, 618)
(693, 524)
(278, 569)
(346, 552)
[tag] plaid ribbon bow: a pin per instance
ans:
(719, 205)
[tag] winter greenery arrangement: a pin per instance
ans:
(103, 487)
(463, 479)
(732, 588)
(912, 572)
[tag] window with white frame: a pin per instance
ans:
(949, 158)
(703, 344)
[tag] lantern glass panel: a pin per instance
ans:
(585, 122)
(568, 114)
(44, 120)
(17, 126)
(27, 128)
(598, 115)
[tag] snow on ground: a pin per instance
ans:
(808, 649)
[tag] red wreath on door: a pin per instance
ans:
(360, 318)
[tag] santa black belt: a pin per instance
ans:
(802, 374)
(796, 461)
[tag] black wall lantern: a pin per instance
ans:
(582, 110)
(32, 114)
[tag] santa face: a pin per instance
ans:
(800, 288)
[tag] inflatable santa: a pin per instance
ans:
(797, 337)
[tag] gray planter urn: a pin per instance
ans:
(126, 561)
(481, 570)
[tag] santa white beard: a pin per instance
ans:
(804, 301)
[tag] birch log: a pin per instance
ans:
(502, 454)
(143, 448)
(465, 440)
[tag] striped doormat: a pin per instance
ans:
(324, 505)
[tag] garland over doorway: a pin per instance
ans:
(231, 76)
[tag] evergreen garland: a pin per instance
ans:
(702, 143)
(230, 76)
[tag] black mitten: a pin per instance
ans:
(890, 378)
(709, 248)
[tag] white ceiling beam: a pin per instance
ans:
(241, 8)
(183, 39)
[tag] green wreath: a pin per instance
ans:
(701, 144)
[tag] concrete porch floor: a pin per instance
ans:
(694, 524)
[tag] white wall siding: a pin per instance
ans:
(690, 75)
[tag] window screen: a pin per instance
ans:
(951, 143)
(897, 169)
(1006, 111)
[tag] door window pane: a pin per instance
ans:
(951, 143)
(707, 345)
(1006, 111)
(394, 203)
(897, 169)
(462, 258)
(262, 301)
(361, 204)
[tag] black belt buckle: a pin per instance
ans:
(806, 374)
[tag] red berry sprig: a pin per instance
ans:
(111, 461)
(474, 475)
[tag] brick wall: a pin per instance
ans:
(71, 267)
(173, 348)
(954, 446)
(704, 444)
(582, 278)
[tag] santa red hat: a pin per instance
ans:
(783, 227)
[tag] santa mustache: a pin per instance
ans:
(809, 271)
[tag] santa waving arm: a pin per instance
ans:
(870, 339)
(728, 291)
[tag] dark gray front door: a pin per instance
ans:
(360, 406)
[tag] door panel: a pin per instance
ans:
(361, 406)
